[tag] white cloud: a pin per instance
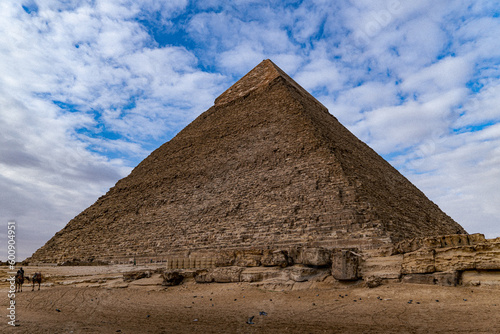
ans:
(52, 174)
(352, 103)
(320, 73)
(481, 108)
(396, 128)
(242, 58)
(447, 74)
(464, 178)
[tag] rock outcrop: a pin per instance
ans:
(171, 278)
(458, 261)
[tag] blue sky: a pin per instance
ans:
(89, 88)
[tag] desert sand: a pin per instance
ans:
(96, 300)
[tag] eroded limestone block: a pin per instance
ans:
(444, 241)
(135, 275)
(419, 262)
(481, 277)
(203, 276)
(171, 278)
(476, 238)
(276, 258)
(345, 265)
(251, 276)
(219, 275)
(257, 274)
(487, 256)
(225, 258)
(455, 258)
(454, 240)
(226, 274)
(449, 278)
(431, 242)
(301, 273)
(385, 267)
(248, 258)
(314, 257)
(373, 282)
(408, 246)
(418, 279)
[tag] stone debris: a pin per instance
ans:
(136, 275)
(172, 278)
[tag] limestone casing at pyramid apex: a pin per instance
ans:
(260, 76)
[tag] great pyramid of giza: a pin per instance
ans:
(266, 167)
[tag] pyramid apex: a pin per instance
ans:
(260, 76)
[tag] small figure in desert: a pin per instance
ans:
(37, 278)
(19, 280)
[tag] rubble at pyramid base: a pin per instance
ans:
(450, 260)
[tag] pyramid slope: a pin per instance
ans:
(266, 166)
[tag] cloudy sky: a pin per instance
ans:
(89, 88)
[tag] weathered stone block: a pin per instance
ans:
(219, 275)
(300, 273)
(373, 282)
(419, 262)
(251, 276)
(171, 278)
(481, 277)
(135, 275)
(314, 257)
(385, 267)
(276, 258)
(226, 274)
(431, 242)
(487, 256)
(248, 258)
(476, 238)
(203, 276)
(449, 278)
(345, 265)
(225, 258)
(455, 258)
(418, 279)
(454, 240)
(408, 246)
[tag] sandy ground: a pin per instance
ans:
(94, 300)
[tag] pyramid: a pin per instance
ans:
(266, 167)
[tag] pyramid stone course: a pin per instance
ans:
(267, 168)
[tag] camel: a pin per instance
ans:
(37, 278)
(19, 282)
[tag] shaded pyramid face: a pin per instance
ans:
(266, 167)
